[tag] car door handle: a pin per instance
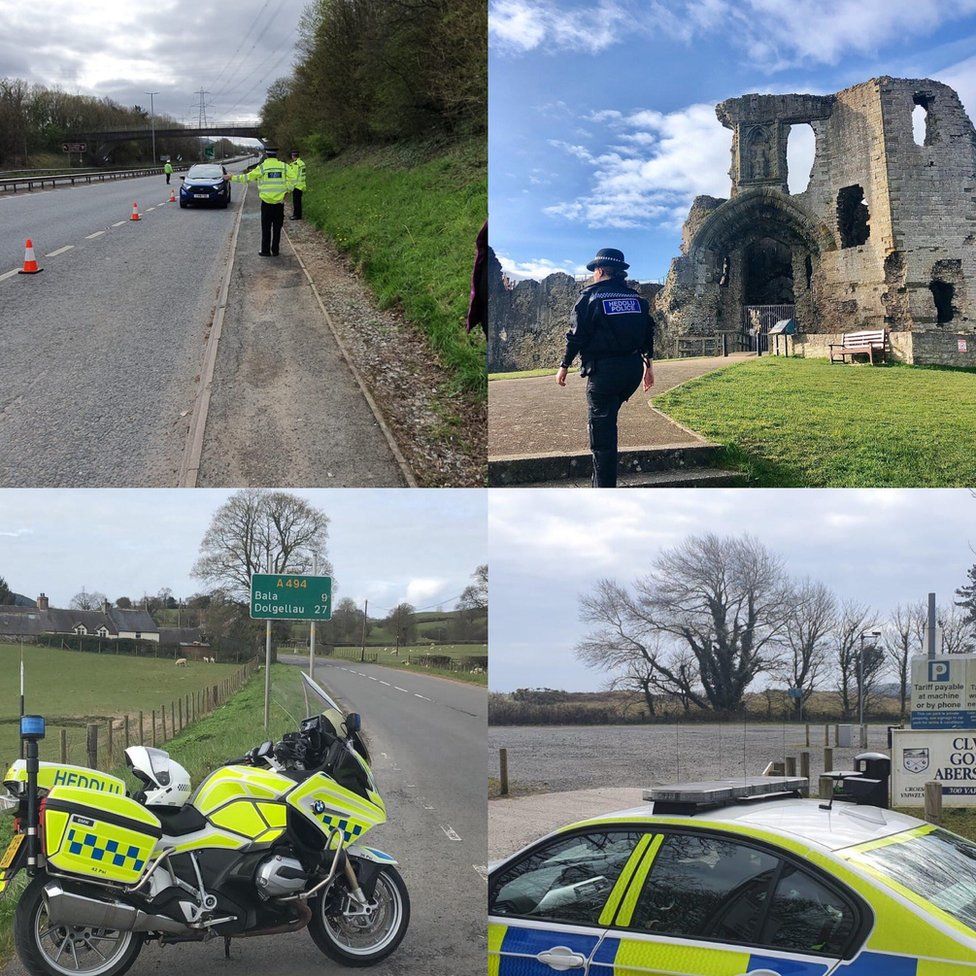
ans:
(561, 958)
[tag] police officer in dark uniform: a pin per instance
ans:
(612, 331)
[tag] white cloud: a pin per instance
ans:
(424, 590)
(962, 77)
(538, 268)
(662, 161)
(775, 35)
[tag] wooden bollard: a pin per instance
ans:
(92, 745)
(826, 736)
(805, 771)
(933, 802)
(503, 771)
(64, 745)
(791, 765)
(826, 789)
(828, 760)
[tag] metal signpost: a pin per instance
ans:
(285, 596)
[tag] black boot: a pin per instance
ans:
(604, 469)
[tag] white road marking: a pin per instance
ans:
(120, 223)
(60, 250)
(148, 209)
(9, 274)
(91, 237)
(450, 832)
(371, 678)
(482, 871)
(425, 698)
(404, 690)
(387, 683)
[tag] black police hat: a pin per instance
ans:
(608, 257)
(270, 151)
(294, 152)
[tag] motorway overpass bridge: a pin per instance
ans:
(97, 142)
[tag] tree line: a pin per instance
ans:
(377, 71)
(35, 119)
(719, 616)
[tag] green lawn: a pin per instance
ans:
(408, 216)
(71, 688)
(805, 423)
(407, 659)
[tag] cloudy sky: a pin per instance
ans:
(385, 545)
(602, 111)
(880, 547)
(175, 47)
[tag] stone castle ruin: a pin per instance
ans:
(883, 236)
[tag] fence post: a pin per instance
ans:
(181, 715)
(154, 728)
(805, 771)
(503, 770)
(142, 734)
(64, 745)
(791, 765)
(126, 728)
(828, 760)
(808, 736)
(111, 745)
(826, 788)
(826, 736)
(172, 719)
(92, 745)
(933, 802)
(162, 715)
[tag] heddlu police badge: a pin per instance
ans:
(915, 760)
(621, 306)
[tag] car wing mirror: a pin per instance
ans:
(353, 723)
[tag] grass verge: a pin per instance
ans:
(806, 423)
(408, 216)
(406, 660)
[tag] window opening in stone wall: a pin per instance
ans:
(942, 295)
(808, 267)
(923, 120)
(801, 149)
(853, 218)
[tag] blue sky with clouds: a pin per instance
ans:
(602, 113)
(385, 545)
(879, 547)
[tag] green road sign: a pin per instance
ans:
(281, 597)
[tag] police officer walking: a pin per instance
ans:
(298, 179)
(274, 181)
(612, 331)
(168, 170)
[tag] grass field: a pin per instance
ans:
(230, 731)
(805, 423)
(71, 688)
(408, 216)
(407, 658)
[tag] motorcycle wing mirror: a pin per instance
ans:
(265, 749)
(353, 723)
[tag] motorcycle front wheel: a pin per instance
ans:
(48, 950)
(363, 940)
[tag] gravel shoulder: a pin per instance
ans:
(441, 434)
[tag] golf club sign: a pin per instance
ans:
(918, 757)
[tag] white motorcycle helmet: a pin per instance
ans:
(165, 782)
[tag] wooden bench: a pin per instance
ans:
(872, 343)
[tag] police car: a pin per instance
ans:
(741, 878)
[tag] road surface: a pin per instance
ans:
(427, 738)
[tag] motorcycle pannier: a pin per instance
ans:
(102, 835)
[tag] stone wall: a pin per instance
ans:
(940, 348)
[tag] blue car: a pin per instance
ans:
(205, 183)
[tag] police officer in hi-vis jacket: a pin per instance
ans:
(612, 331)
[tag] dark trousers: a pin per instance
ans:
(272, 217)
(610, 383)
(168, 175)
(296, 204)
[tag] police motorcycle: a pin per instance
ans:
(269, 843)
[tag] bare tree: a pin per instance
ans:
(402, 623)
(809, 627)
(261, 531)
(88, 601)
(904, 635)
(475, 595)
(847, 642)
(707, 619)
(957, 631)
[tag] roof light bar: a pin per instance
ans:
(689, 797)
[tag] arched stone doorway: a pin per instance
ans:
(759, 250)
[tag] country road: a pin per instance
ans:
(427, 738)
(103, 356)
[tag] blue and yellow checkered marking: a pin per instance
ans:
(349, 831)
(87, 844)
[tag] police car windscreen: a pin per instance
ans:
(938, 866)
(205, 172)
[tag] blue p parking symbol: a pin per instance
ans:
(938, 670)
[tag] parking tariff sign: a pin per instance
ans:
(281, 596)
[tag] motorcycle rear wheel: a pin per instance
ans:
(46, 950)
(364, 942)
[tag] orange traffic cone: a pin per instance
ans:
(30, 262)
(135, 213)
(172, 196)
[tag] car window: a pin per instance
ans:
(567, 880)
(205, 172)
(938, 865)
(705, 887)
(807, 916)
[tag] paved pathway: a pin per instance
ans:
(534, 416)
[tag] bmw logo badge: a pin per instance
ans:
(318, 807)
